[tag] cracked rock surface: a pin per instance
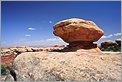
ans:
(68, 66)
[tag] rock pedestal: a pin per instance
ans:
(79, 33)
(82, 46)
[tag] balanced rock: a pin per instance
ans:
(79, 33)
(75, 29)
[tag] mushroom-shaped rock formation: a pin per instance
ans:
(79, 33)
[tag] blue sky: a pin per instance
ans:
(31, 23)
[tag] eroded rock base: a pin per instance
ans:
(87, 46)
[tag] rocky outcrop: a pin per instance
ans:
(37, 49)
(29, 49)
(16, 50)
(7, 78)
(118, 41)
(6, 51)
(111, 45)
(79, 33)
(67, 66)
(7, 60)
(108, 43)
(7, 73)
(74, 29)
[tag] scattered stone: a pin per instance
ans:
(2, 78)
(29, 49)
(6, 78)
(9, 78)
(13, 49)
(5, 50)
(22, 49)
(36, 49)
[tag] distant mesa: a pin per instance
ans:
(79, 33)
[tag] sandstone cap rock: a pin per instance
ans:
(75, 29)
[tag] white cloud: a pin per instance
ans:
(31, 29)
(50, 22)
(103, 36)
(109, 36)
(27, 35)
(117, 34)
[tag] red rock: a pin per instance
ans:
(75, 29)
(7, 60)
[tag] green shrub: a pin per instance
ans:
(4, 70)
(111, 48)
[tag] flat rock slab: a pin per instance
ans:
(67, 66)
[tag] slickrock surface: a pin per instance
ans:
(68, 66)
(7, 78)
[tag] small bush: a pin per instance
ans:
(4, 70)
(111, 48)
